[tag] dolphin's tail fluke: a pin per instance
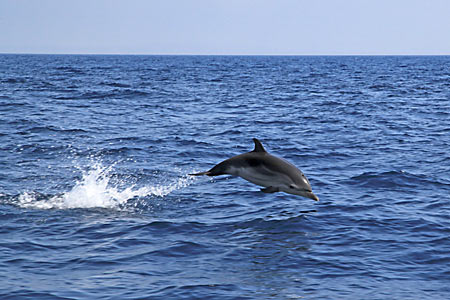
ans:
(201, 173)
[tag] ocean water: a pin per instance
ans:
(96, 203)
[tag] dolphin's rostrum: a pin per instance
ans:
(261, 168)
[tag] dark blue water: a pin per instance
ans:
(96, 203)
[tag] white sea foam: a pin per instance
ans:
(95, 190)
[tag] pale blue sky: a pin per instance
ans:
(278, 27)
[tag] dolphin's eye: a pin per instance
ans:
(292, 187)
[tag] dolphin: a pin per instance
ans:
(259, 167)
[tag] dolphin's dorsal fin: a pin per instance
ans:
(258, 146)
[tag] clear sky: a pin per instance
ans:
(297, 27)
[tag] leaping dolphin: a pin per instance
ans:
(261, 168)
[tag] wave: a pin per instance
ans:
(14, 80)
(70, 70)
(96, 190)
(118, 92)
(116, 84)
(393, 179)
(43, 129)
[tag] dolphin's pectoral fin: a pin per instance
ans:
(270, 189)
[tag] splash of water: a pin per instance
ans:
(95, 190)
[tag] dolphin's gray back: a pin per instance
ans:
(262, 161)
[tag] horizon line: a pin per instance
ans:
(215, 54)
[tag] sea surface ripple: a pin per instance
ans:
(96, 203)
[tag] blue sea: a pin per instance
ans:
(96, 201)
